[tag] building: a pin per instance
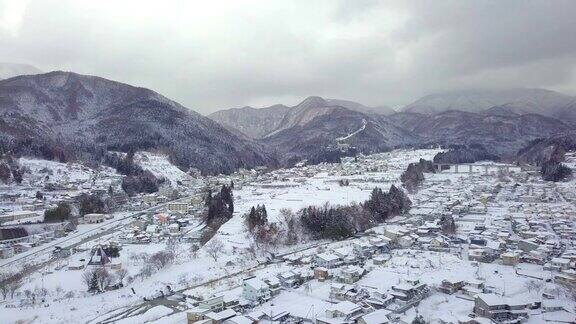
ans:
(320, 273)
(349, 274)
(290, 279)
(255, 290)
(342, 312)
(510, 258)
(377, 317)
(327, 260)
(178, 207)
(408, 292)
(213, 304)
(498, 308)
(18, 216)
(94, 218)
(451, 286)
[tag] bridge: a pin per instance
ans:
(476, 168)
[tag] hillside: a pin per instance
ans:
(322, 135)
(254, 122)
(66, 116)
(519, 101)
(262, 122)
(501, 134)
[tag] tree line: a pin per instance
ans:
(220, 207)
(327, 221)
(413, 176)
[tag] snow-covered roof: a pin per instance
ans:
(328, 257)
(345, 307)
(256, 283)
(377, 317)
(239, 319)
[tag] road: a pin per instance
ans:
(85, 236)
(166, 301)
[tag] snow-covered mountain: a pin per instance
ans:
(317, 131)
(254, 122)
(73, 116)
(500, 132)
(519, 101)
(9, 70)
(261, 122)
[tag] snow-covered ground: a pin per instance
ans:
(199, 274)
(161, 167)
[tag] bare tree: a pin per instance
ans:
(214, 248)
(161, 259)
(174, 247)
(534, 285)
(4, 284)
(121, 274)
(193, 250)
(87, 279)
(15, 283)
(104, 278)
(10, 283)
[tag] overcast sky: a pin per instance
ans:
(212, 54)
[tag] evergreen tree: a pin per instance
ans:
(94, 287)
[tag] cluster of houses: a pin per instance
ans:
(510, 223)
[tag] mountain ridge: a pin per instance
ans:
(81, 116)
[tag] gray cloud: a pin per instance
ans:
(219, 54)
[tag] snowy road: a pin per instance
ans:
(79, 238)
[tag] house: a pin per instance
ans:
(527, 245)
(19, 216)
(99, 257)
(239, 319)
(220, 317)
(341, 312)
(255, 290)
(478, 255)
(451, 286)
(566, 277)
(327, 260)
(473, 288)
(439, 242)
(320, 273)
(94, 218)
(407, 292)
(344, 252)
(560, 263)
(553, 305)
(198, 316)
(376, 317)
(381, 259)
(273, 285)
(498, 308)
(406, 241)
(213, 304)
(290, 279)
(363, 249)
(381, 245)
(349, 274)
(266, 316)
(178, 207)
(340, 291)
(510, 258)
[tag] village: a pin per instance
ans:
(481, 243)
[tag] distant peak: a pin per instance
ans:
(313, 101)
